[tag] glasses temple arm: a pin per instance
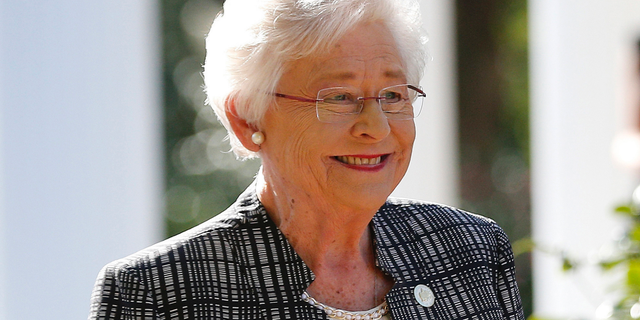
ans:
(422, 93)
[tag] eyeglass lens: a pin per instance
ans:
(341, 104)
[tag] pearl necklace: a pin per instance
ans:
(373, 314)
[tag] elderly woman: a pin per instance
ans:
(324, 92)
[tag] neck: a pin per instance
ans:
(319, 231)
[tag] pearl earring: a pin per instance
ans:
(257, 137)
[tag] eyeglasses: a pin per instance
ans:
(342, 104)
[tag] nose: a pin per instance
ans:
(371, 123)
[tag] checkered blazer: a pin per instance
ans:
(238, 265)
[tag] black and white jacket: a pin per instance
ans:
(239, 265)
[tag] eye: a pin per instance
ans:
(392, 97)
(340, 98)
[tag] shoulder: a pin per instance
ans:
(202, 262)
(405, 221)
(429, 214)
(212, 240)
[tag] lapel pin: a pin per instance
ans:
(424, 295)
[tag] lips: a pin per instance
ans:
(361, 160)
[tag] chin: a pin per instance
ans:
(371, 200)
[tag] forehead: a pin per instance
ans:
(369, 50)
(354, 67)
(366, 40)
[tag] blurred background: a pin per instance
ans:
(106, 145)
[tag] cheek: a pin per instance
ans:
(411, 136)
(296, 139)
(406, 135)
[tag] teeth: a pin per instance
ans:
(359, 161)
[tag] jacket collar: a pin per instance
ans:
(253, 213)
(273, 249)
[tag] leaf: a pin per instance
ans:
(635, 233)
(523, 245)
(608, 265)
(633, 277)
(567, 264)
(625, 210)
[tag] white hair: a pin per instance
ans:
(251, 41)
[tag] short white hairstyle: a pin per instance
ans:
(251, 41)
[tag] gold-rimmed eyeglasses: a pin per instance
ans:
(342, 104)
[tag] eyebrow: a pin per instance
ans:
(396, 74)
(347, 75)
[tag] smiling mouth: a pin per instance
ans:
(360, 160)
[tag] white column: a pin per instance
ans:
(80, 148)
(578, 73)
(3, 258)
(433, 172)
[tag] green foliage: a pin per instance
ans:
(522, 246)
(202, 176)
(625, 210)
(567, 264)
(628, 307)
(627, 261)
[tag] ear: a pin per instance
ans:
(240, 127)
